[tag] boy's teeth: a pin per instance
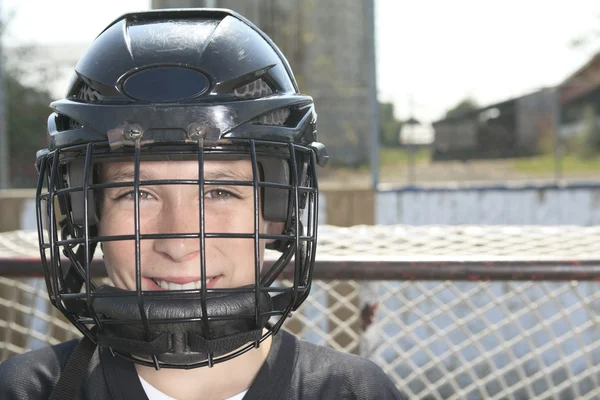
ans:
(189, 285)
(176, 286)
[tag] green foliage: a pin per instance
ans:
(587, 40)
(465, 105)
(585, 141)
(545, 164)
(590, 138)
(399, 157)
(389, 126)
(27, 112)
(26, 106)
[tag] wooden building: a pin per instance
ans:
(514, 128)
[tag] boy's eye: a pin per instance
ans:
(144, 195)
(219, 194)
(216, 194)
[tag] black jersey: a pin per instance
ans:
(294, 369)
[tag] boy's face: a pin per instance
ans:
(175, 263)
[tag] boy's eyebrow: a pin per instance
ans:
(126, 174)
(224, 173)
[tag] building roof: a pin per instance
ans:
(583, 81)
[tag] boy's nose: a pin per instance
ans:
(179, 220)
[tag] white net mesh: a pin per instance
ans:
(489, 339)
(400, 241)
(449, 242)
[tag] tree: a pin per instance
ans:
(588, 144)
(587, 41)
(465, 105)
(27, 113)
(26, 100)
(389, 126)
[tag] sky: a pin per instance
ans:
(436, 52)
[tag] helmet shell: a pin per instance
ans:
(170, 69)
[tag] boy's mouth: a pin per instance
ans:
(191, 285)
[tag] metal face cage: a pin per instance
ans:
(185, 328)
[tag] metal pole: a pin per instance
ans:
(372, 79)
(410, 143)
(4, 153)
(556, 118)
(411, 160)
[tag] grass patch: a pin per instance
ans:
(400, 155)
(545, 164)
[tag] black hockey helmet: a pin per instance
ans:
(179, 85)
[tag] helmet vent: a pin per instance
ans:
(65, 123)
(74, 124)
(276, 118)
(253, 90)
(87, 94)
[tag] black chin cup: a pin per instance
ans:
(176, 331)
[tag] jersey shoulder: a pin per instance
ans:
(34, 374)
(342, 375)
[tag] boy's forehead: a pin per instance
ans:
(213, 169)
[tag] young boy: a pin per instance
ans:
(184, 149)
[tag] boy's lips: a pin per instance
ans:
(180, 283)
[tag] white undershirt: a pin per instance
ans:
(154, 394)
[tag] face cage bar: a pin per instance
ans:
(301, 247)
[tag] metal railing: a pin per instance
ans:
(487, 313)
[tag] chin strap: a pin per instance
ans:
(71, 378)
(184, 340)
(164, 343)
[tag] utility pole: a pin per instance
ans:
(372, 87)
(558, 144)
(409, 142)
(4, 154)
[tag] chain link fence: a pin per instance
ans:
(437, 339)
